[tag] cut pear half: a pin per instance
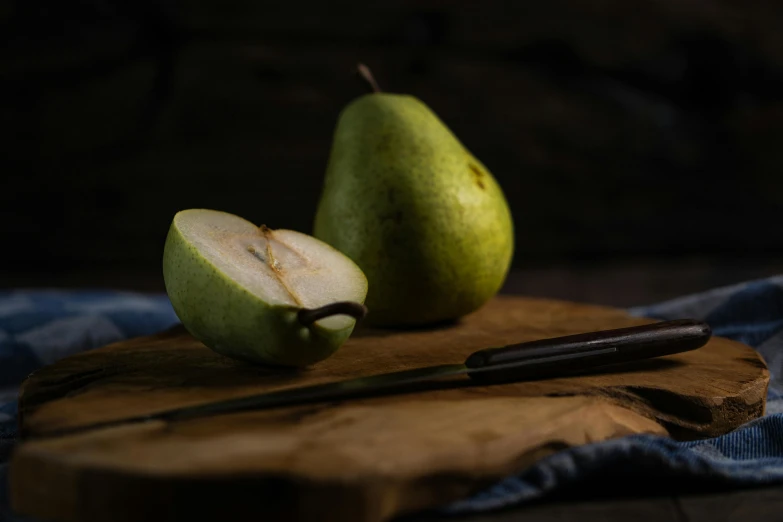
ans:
(261, 295)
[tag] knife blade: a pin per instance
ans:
(544, 358)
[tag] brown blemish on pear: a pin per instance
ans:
(477, 175)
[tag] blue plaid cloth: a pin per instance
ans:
(40, 327)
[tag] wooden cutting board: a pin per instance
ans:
(362, 460)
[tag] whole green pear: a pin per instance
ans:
(275, 297)
(422, 217)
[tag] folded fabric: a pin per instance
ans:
(40, 327)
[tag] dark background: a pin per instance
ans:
(637, 142)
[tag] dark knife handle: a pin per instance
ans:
(562, 355)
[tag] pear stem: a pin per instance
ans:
(308, 316)
(366, 75)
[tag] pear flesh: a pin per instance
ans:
(243, 290)
(423, 218)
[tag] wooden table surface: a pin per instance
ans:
(621, 284)
(759, 504)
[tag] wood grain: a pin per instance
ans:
(363, 460)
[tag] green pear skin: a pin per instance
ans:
(420, 215)
(234, 322)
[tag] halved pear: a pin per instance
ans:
(276, 297)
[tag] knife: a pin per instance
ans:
(544, 358)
